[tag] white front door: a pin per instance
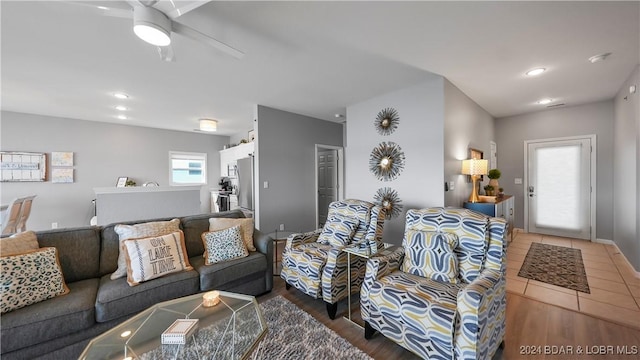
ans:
(558, 188)
(327, 182)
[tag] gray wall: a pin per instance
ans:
(102, 153)
(285, 157)
(466, 125)
(594, 118)
(419, 134)
(626, 178)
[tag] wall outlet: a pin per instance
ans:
(54, 225)
(281, 227)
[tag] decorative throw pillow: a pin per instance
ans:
(153, 257)
(19, 243)
(338, 231)
(125, 232)
(223, 245)
(29, 278)
(431, 255)
(246, 228)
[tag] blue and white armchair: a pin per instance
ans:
(314, 262)
(442, 294)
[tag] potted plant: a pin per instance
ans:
(489, 190)
(500, 192)
(494, 175)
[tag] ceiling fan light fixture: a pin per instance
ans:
(208, 125)
(151, 25)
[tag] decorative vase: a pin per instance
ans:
(494, 183)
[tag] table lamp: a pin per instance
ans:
(475, 168)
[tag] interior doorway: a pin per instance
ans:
(329, 179)
(559, 196)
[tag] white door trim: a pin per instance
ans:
(592, 156)
(340, 170)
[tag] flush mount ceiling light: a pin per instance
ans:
(536, 71)
(151, 25)
(121, 108)
(597, 58)
(208, 125)
(545, 101)
(121, 95)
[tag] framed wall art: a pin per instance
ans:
(23, 166)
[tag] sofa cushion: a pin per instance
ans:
(195, 225)
(338, 231)
(52, 318)
(116, 298)
(431, 254)
(142, 230)
(78, 251)
(224, 275)
(154, 257)
(30, 278)
(246, 228)
(18, 243)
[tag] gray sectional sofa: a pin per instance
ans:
(59, 328)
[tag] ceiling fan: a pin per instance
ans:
(155, 20)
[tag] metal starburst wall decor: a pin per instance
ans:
(386, 121)
(388, 199)
(386, 161)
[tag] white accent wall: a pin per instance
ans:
(102, 153)
(626, 170)
(420, 134)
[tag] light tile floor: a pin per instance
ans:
(615, 288)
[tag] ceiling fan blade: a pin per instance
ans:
(198, 36)
(176, 8)
(166, 53)
(105, 8)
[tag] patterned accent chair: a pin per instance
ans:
(459, 318)
(319, 268)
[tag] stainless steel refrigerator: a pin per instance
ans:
(244, 169)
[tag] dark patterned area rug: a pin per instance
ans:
(556, 265)
(294, 334)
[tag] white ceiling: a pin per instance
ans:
(312, 58)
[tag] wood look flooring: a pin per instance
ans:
(535, 330)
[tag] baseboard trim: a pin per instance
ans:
(635, 272)
(605, 241)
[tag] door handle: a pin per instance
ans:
(531, 192)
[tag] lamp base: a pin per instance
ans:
(473, 198)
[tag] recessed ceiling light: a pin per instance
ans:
(102, 7)
(338, 116)
(121, 95)
(545, 101)
(122, 117)
(598, 58)
(534, 72)
(122, 108)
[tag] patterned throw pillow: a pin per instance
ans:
(338, 231)
(29, 278)
(19, 243)
(223, 245)
(246, 228)
(125, 232)
(153, 257)
(431, 255)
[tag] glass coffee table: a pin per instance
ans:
(228, 330)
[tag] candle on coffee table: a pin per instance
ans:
(211, 298)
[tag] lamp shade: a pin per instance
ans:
(475, 167)
(208, 125)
